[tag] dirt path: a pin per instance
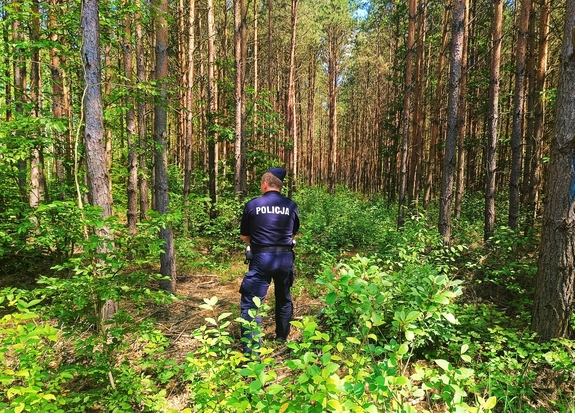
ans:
(179, 319)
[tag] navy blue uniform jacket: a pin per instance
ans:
(270, 220)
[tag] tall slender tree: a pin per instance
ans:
(95, 150)
(212, 106)
(167, 258)
(335, 25)
(537, 133)
(291, 123)
(518, 114)
(132, 188)
(492, 132)
(188, 104)
(38, 190)
(141, 119)
(436, 109)
(553, 303)
(448, 176)
(462, 122)
(240, 47)
(406, 113)
(60, 106)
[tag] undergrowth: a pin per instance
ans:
(406, 326)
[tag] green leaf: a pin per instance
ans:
(353, 340)
(401, 381)
(449, 317)
(444, 364)
(331, 297)
(403, 349)
(224, 315)
(335, 405)
(255, 386)
(275, 388)
(490, 403)
(297, 324)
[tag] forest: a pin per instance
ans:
(428, 145)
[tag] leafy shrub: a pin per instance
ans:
(28, 380)
(414, 304)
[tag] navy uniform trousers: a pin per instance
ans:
(265, 267)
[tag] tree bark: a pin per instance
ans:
(291, 123)
(189, 101)
(167, 259)
(141, 119)
(406, 114)
(62, 148)
(449, 163)
(416, 154)
(334, 36)
(97, 174)
(436, 111)
(538, 132)
(553, 303)
(240, 47)
(132, 187)
(492, 132)
(518, 115)
(38, 189)
(212, 96)
(20, 99)
(462, 122)
(310, 114)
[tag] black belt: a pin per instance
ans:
(257, 250)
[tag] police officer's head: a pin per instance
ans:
(273, 179)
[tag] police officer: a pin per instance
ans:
(268, 226)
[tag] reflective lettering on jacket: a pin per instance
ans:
(272, 209)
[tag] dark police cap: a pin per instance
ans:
(278, 172)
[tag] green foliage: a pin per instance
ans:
(110, 269)
(333, 225)
(412, 305)
(28, 380)
(397, 331)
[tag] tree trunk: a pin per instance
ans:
(539, 100)
(20, 99)
(406, 114)
(132, 188)
(240, 47)
(492, 132)
(518, 114)
(419, 110)
(449, 163)
(61, 144)
(142, 140)
(189, 119)
(212, 96)
(38, 189)
(310, 130)
(333, 38)
(95, 149)
(553, 303)
(167, 260)
(462, 122)
(436, 111)
(291, 124)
